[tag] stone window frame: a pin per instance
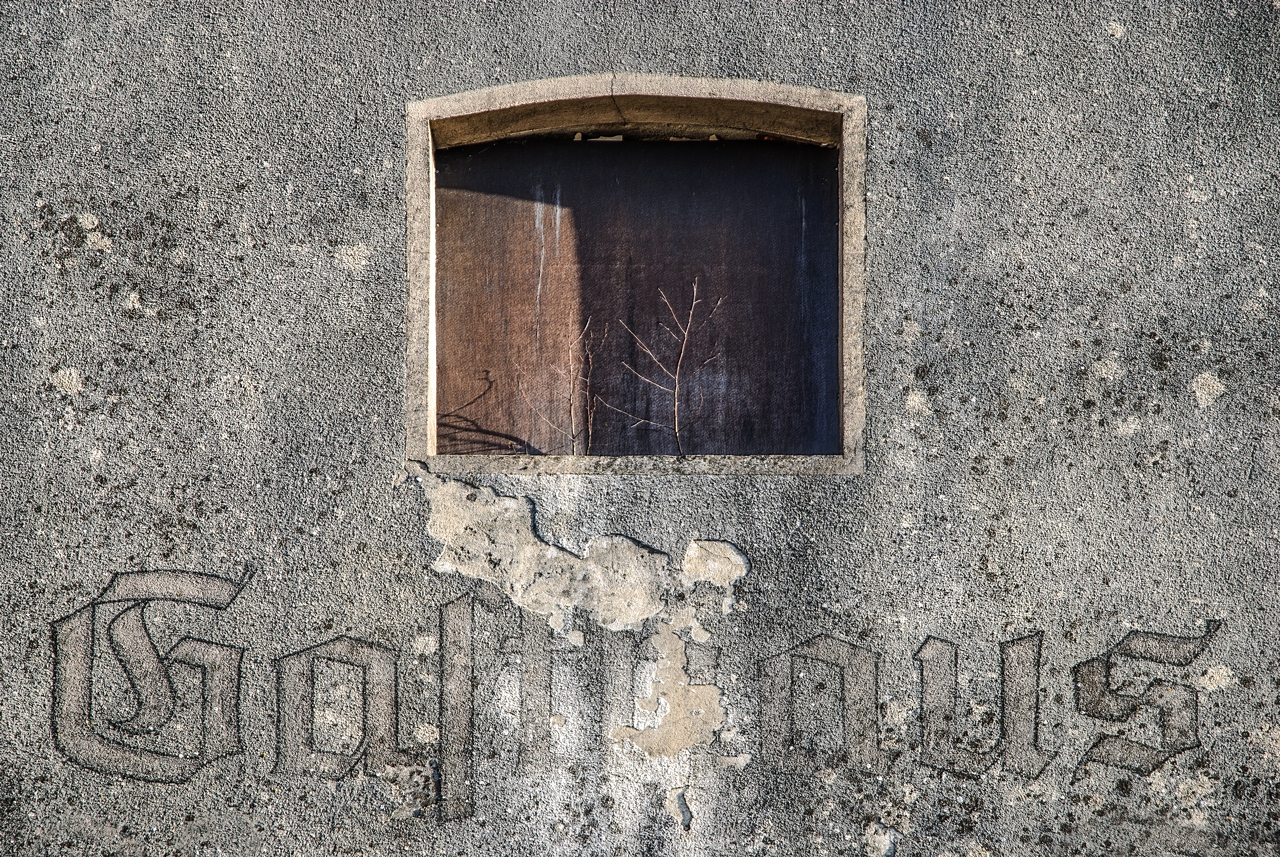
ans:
(647, 106)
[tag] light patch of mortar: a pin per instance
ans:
(893, 812)
(353, 257)
(1190, 795)
(1128, 426)
(881, 841)
(1207, 388)
(1216, 678)
(617, 581)
(1016, 790)
(967, 850)
(917, 403)
(1267, 740)
(424, 645)
(693, 711)
(739, 761)
(1191, 792)
(68, 380)
(1108, 369)
(412, 787)
(97, 241)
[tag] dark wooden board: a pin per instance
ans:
(542, 245)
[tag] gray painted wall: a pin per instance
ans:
(1073, 422)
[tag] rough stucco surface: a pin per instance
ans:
(1073, 429)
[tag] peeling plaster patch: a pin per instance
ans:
(1216, 678)
(353, 257)
(489, 537)
(426, 733)
(687, 618)
(1116, 29)
(693, 711)
(1207, 388)
(619, 582)
(910, 332)
(718, 563)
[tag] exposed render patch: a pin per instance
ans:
(688, 714)
(881, 841)
(619, 582)
(68, 380)
(917, 404)
(1215, 678)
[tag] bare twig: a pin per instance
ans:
(639, 421)
(676, 372)
(646, 349)
(647, 380)
(576, 375)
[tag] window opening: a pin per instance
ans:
(651, 278)
(638, 298)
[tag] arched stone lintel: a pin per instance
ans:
(638, 105)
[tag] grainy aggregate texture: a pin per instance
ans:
(1043, 621)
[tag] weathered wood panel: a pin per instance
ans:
(567, 277)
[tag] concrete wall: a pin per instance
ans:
(1073, 430)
